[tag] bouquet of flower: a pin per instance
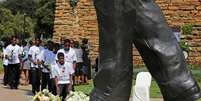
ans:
(10, 55)
(45, 95)
(77, 96)
(185, 46)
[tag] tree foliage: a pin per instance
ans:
(27, 17)
(11, 24)
(6, 22)
(22, 6)
(45, 17)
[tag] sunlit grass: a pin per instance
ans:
(155, 91)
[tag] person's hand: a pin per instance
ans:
(57, 90)
(69, 87)
(21, 66)
(35, 63)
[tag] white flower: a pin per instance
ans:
(77, 96)
(45, 95)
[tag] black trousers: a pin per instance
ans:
(46, 81)
(124, 22)
(13, 75)
(5, 77)
(35, 79)
(63, 91)
(53, 86)
(30, 76)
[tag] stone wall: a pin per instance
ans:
(84, 24)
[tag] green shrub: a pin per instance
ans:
(184, 46)
(187, 29)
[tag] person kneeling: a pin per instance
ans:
(63, 76)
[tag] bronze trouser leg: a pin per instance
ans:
(155, 42)
(162, 55)
(113, 81)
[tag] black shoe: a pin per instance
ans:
(34, 93)
(15, 87)
(5, 84)
(11, 87)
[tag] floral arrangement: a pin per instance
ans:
(10, 55)
(77, 96)
(45, 95)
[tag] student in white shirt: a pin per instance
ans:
(47, 58)
(52, 79)
(78, 70)
(33, 55)
(69, 55)
(13, 55)
(5, 65)
(62, 73)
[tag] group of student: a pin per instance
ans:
(53, 66)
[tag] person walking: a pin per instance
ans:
(69, 55)
(25, 62)
(63, 76)
(33, 55)
(47, 58)
(13, 54)
(5, 63)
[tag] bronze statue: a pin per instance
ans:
(124, 22)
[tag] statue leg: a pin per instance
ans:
(162, 54)
(113, 81)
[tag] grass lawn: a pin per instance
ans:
(155, 92)
(85, 88)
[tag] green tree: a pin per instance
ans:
(45, 17)
(39, 16)
(15, 24)
(22, 6)
(6, 23)
(23, 25)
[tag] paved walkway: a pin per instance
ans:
(22, 94)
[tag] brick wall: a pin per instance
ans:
(84, 25)
(177, 12)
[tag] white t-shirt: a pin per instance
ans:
(70, 56)
(63, 72)
(42, 48)
(52, 70)
(34, 51)
(21, 49)
(13, 53)
(79, 54)
(48, 57)
(5, 61)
